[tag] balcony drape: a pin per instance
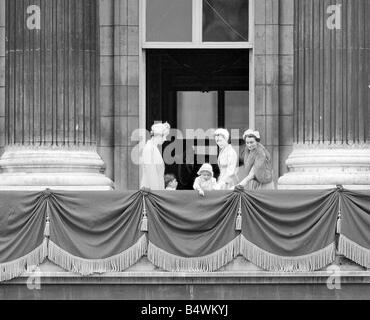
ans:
(98, 232)
(22, 224)
(354, 239)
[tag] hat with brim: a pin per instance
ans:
(223, 132)
(160, 129)
(251, 132)
(206, 167)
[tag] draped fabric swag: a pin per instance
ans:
(98, 232)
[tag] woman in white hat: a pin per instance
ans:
(151, 160)
(205, 181)
(257, 163)
(227, 160)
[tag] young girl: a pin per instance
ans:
(205, 181)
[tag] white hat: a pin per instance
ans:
(224, 133)
(206, 167)
(160, 129)
(251, 132)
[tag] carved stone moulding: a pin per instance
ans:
(58, 168)
(325, 166)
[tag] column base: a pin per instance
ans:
(58, 168)
(324, 166)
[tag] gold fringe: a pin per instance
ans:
(272, 262)
(15, 268)
(209, 263)
(85, 267)
(354, 251)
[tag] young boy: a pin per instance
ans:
(205, 181)
(170, 182)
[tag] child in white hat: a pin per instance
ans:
(205, 181)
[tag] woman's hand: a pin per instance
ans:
(221, 185)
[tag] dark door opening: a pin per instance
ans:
(196, 89)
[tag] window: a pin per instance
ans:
(225, 20)
(196, 23)
(169, 20)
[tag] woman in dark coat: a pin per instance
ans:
(257, 163)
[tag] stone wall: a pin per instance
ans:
(119, 88)
(274, 77)
(2, 75)
(286, 81)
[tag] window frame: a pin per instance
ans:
(197, 32)
(195, 44)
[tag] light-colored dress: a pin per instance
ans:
(209, 185)
(227, 162)
(152, 167)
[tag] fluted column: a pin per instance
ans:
(51, 73)
(331, 96)
(51, 107)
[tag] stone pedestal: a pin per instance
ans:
(38, 168)
(331, 96)
(325, 166)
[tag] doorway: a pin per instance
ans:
(199, 89)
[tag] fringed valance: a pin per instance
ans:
(354, 239)
(187, 232)
(22, 226)
(179, 231)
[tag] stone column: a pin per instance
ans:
(331, 96)
(51, 107)
(2, 74)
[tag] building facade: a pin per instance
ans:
(78, 78)
(81, 77)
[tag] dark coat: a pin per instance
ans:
(260, 159)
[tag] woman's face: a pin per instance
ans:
(251, 143)
(221, 141)
(160, 139)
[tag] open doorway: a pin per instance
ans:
(197, 89)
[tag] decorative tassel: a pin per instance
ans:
(339, 223)
(47, 227)
(144, 224)
(238, 226)
(144, 220)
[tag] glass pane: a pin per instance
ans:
(169, 20)
(196, 110)
(237, 110)
(225, 20)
